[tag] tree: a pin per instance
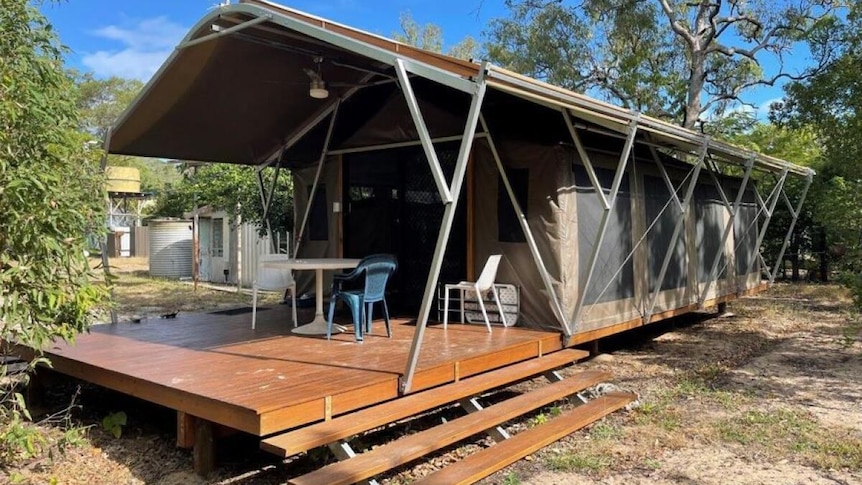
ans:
(801, 145)
(100, 103)
(830, 102)
(680, 60)
(430, 37)
(232, 188)
(51, 198)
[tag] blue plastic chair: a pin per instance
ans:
(376, 269)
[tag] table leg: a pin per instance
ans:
(318, 325)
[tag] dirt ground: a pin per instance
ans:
(769, 394)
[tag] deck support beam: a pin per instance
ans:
(608, 203)
(478, 96)
(795, 213)
(204, 455)
(556, 306)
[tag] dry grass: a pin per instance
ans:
(137, 295)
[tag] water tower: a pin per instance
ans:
(126, 205)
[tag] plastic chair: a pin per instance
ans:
(376, 270)
(272, 279)
(480, 287)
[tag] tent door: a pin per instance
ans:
(392, 206)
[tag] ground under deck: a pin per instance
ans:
(214, 366)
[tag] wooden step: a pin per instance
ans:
(483, 463)
(348, 425)
(417, 445)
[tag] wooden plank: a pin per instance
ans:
(672, 313)
(417, 445)
(483, 463)
(185, 430)
(598, 333)
(204, 450)
(303, 439)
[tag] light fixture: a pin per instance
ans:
(317, 90)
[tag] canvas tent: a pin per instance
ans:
(606, 219)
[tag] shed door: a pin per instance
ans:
(205, 246)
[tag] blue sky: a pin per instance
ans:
(131, 38)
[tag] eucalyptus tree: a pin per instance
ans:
(681, 60)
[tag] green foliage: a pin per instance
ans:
(430, 37)
(100, 103)
(781, 431)
(232, 188)
(51, 198)
(677, 60)
(114, 422)
(578, 461)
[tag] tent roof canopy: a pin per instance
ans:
(235, 91)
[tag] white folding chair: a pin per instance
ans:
(273, 279)
(480, 287)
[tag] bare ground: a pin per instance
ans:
(772, 394)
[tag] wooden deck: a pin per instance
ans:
(267, 380)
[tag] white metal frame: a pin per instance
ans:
(685, 207)
(556, 306)
(472, 122)
(608, 203)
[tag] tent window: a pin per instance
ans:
(218, 238)
(318, 224)
(508, 228)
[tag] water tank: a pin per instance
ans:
(170, 248)
(123, 179)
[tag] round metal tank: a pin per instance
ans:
(123, 179)
(170, 248)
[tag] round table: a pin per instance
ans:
(318, 325)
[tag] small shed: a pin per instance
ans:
(607, 219)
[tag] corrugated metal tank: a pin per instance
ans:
(170, 248)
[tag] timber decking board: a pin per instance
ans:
(303, 439)
(267, 380)
(500, 455)
(417, 445)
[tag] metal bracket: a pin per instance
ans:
(497, 433)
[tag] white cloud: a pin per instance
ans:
(143, 47)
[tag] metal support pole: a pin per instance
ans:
(106, 264)
(472, 405)
(422, 130)
(686, 207)
(316, 182)
(227, 31)
(531, 241)
(609, 206)
(796, 213)
(777, 192)
(728, 228)
(445, 229)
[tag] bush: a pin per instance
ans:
(51, 197)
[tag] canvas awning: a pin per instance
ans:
(235, 91)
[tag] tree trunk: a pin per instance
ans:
(824, 257)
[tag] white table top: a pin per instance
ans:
(313, 263)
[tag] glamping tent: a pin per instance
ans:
(607, 219)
